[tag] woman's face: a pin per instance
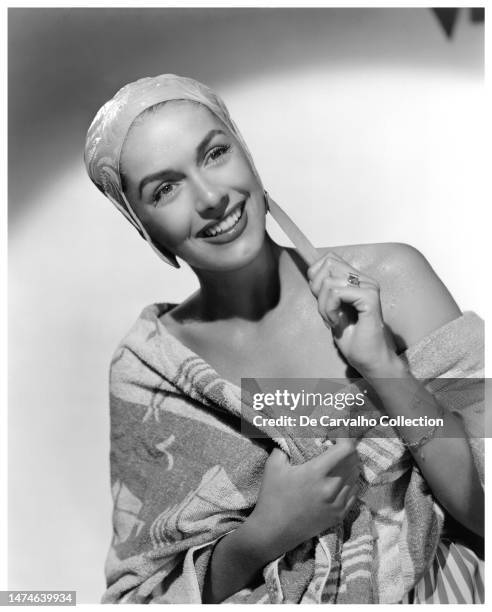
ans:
(192, 187)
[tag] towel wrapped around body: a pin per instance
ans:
(183, 476)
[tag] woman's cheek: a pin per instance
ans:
(242, 174)
(171, 225)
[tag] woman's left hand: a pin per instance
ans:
(353, 313)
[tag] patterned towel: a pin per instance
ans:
(183, 476)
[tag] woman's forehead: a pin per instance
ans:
(172, 127)
(174, 116)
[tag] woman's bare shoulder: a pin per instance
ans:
(387, 262)
(378, 258)
(414, 299)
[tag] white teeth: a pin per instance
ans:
(224, 225)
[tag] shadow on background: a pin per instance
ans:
(64, 62)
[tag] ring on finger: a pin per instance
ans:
(353, 279)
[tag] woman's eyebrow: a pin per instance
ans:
(160, 175)
(171, 175)
(200, 150)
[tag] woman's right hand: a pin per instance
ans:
(297, 502)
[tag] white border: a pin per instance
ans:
(3, 222)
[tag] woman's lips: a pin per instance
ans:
(233, 232)
(212, 224)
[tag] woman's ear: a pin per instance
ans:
(267, 200)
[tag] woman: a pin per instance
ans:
(341, 523)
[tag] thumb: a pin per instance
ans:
(278, 458)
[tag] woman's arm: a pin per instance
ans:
(421, 303)
(415, 303)
(237, 561)
(445, 460)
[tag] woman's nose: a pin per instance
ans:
(209, 196)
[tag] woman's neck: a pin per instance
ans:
(248, 293)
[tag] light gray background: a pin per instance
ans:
(366, 127)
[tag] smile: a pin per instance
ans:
(226, 225)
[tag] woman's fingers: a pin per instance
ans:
(278, 459)
(365, 301)
(328, 304)
(349, 303)
(325, 262)
(331, 298)
(346, 497)
(330, 258)
(351, 489)
(336, 269)
(335, 291)
(352, 498)
(343, 453)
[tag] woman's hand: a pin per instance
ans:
(353, 313)
(298, 502)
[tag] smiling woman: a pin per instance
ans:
(204, 513)
(203, 171)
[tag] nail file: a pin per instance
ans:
(295, 235)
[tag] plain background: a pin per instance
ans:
(366, 125)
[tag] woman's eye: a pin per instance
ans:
(163, 192)
(218, 152)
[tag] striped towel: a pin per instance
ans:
(455, 577)
(183, 475)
